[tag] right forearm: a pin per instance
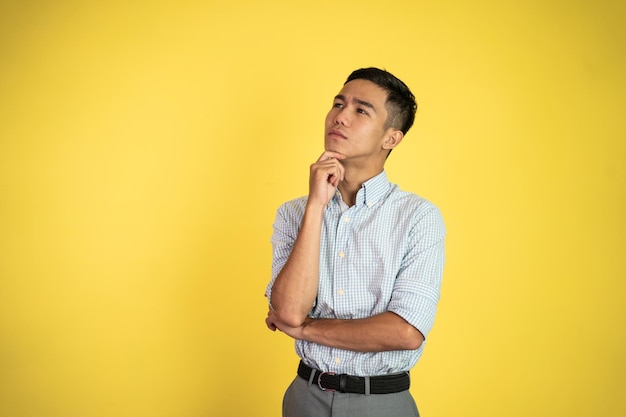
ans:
(295, 288)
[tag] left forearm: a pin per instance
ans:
(383, 332)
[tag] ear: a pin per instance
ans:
(393, 138)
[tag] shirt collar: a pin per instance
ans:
(372, 191)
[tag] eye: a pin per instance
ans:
(362, 111)
(338, 105)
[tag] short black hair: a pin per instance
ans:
(400, 104)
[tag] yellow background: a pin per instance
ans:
(144, 148)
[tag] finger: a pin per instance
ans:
(330, 164)
(337, 170)
(327, 169)
(330, 155)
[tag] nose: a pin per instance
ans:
(341, 117)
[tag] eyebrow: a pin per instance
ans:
(361, 102)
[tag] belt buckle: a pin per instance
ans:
(319, 381)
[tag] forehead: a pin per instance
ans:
(365, 90)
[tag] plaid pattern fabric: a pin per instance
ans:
(385, 253)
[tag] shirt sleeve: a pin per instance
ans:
(285, 231)
(418, 283)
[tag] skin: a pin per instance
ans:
(356, 143)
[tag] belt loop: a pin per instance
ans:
(312, 377)
(367, 385)
(343, 381)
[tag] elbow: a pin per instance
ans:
(290, 318)
(412, 338)
(287, 312)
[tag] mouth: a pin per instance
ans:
(337, 134)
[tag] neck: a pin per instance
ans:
(353, 181)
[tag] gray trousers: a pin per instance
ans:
(306, 399)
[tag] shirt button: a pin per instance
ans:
(346, 219)
(337, 361)
(342, 254)
(341, 292)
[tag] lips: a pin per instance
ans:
(337, 133)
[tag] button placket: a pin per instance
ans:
(344, 230)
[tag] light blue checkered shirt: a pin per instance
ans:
(385, 253)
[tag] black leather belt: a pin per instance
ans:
(329, 381)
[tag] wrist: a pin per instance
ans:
(314, 208)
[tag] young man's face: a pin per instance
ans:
(355, 125)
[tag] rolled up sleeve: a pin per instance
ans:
(418, 283)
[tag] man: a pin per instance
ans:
(357, 264)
